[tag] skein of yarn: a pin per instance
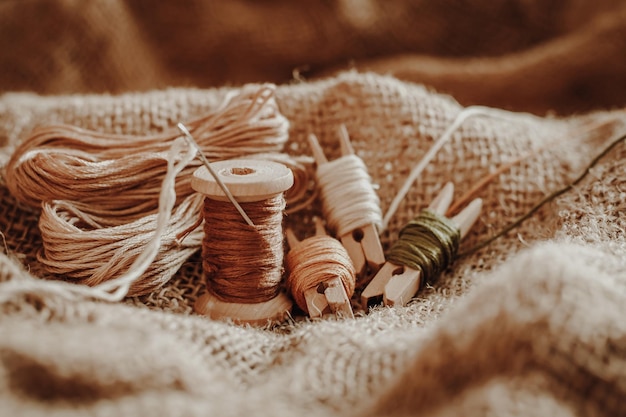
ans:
(116, 179)
(99, 192)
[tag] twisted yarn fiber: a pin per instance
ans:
(116, 179)
(316, 260)
(242, 263)
(348, 197)
(99, 193)
(429, 244)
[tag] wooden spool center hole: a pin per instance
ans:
(242, 171)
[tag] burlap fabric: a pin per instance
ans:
(532, 324)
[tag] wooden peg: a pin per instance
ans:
(363, 244)
(338, 299)
(344, 141)
(328, 296)
(401, 288)
(317, 151)
(365, 250)
(443, 200)
(247, 181)
(373, 293)
(316, 302)
(468, 216)
(397, 284)
(404, 279)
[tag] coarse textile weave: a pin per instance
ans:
(531, 324)
(534, 321)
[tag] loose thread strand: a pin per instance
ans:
(483, 182)
(465, 198)
(119, 287)
(544, 201)
(463, 115)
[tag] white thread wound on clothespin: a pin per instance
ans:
(348, 198)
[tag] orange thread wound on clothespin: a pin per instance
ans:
(397, 282)
(350, 203)
(320, 274)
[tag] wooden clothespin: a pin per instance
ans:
(329, 296)
(397, 284)
(363, 244)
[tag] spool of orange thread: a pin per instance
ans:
(321, 277)
(243, 263)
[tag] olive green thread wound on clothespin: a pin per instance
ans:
(429, 244)
(426, 248)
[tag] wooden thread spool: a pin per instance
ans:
(253, 183)
(321, 277)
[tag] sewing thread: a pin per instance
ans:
(428, 243)
(242, 263)
(348, 197)
(316, 260)
(100, 191)
(550, 197)
(117, 178)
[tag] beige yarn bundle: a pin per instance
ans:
(99, 193)
(115, 178)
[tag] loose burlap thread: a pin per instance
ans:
(500, 332)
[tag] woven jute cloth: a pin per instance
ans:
(531, 324)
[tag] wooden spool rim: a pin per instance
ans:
(273, 311)
(246, 179)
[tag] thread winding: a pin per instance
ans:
(99, 192)
(349, 200)
(429, 244)
(315, 260)
(79, 250)
(117, 178)
(241, 263)
(115, 289)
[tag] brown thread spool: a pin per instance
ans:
(247, 293)
(321, 276)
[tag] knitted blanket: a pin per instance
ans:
(533, 323)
